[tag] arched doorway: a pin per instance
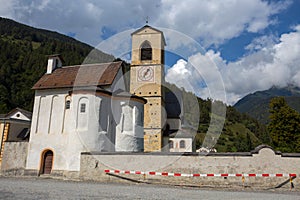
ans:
(47, 160)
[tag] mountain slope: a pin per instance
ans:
(239, 133)
(257, 104)
(23, 60)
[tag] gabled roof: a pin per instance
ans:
(26, 113)
(150, 27)
(80, 75)
(184, 133)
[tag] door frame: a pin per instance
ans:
(42, 160)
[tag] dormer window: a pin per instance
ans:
(146, 51)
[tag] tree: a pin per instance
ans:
(284, 126)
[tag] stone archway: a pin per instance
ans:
(47, 161)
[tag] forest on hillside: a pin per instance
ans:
(23, 60)
(239, 133)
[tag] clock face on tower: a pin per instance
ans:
(145, 73)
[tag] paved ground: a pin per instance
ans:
(41, 188)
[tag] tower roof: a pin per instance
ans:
(150, 27)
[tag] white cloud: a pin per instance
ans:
(271, 61)
(85, 18)
(277, 64)
(216, 21)
(199, 75)
(212, 22)
(263, 42)
(7, 8)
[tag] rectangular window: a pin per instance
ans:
(82, 108)
(68, 104)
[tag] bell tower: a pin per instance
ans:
(146, 80)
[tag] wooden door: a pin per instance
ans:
(47, 164)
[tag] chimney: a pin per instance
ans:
(54, 61)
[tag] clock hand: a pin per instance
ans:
(146, 72)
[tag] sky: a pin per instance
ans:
(219, 49)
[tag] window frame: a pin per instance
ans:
(182, 144)
(68, 104)
(146, 51)
(82, 108)
(171, 144)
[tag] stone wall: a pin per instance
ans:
(263, 160)
(14, 158)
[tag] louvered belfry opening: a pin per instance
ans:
(47, 162)
(146, 51)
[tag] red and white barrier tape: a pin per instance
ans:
(195, 175)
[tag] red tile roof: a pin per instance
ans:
(80, 75)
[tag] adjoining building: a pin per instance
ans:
(14, 127)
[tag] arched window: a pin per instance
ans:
(182, 144)
(83, 113)
(171, 144)
(146, 51)
(68, 102)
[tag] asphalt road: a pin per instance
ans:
(41, 188)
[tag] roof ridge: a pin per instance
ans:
(91, 64)
(90, 75)
(24, 112)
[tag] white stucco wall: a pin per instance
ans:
(68, 132)
(176, 144)
(53, 127)
(130, 130)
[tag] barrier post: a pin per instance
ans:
(291, 181)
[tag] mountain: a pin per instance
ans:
(257, 104)
(23, 60)
(239, 133)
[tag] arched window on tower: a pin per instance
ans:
(146, 51)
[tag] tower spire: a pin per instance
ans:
(147, 19)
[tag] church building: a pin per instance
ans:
(87, 108)
(82, 109)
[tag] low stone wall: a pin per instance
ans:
(262, 160)
(14, 158)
